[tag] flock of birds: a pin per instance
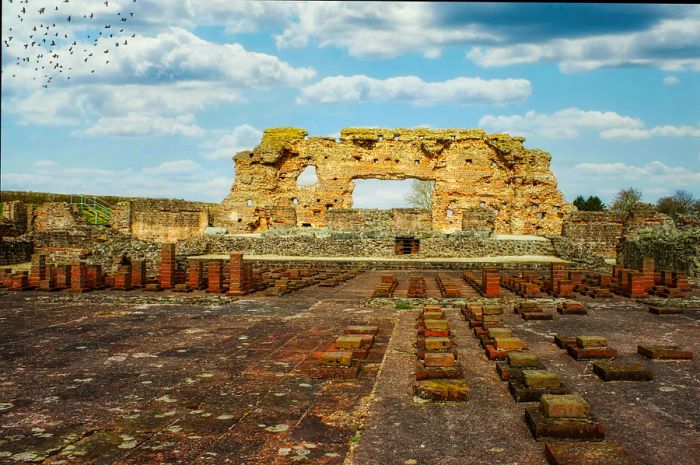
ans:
(42, 51)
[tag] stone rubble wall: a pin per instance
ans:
(398, 220)
(671, 250)
(15, 250)
(470, 169)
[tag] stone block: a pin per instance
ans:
(436, 324)
(336, 359)
(665, 310)
(587, 453)
(562, 341)
(437, 343)
(492, 310)
(439, 315)
(499, 332)
(564, 406)
(495, 354)
(541, 379)
(439, 359)
(348, 342)
(543, 428)
(436, 332)
(591, 342)
(619, 371)
(361, 329)
(509, 343)
(493, 318)
(523, 393)
(664, 352)
(527, 316)
(442, 389)
(523, 359)
(589, 354)
(423, 372)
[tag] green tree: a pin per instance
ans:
(421, 195)
(625, 200)
(591, 204)
(594, 204)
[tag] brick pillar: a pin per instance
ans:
(195, 274)
(63, 276)
(237, 275)
(95, 278)
(556, 274)
(491, 282)
(138, 273)
(167, 266)
(637, 285)
(216, 277)
(38, 272)
(123, 278)
(78, 277)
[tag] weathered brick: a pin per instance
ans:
(437, 343)
(439, 359)
(541, 379)
(564, 406)
(591, 342)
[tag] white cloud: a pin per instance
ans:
(657, 131)
(461, 90)
(175, 179)
(243, 137)
(650, 48)
(561, 124)
(139, 125)
(671, 80)
(655, 172)
(378, 29)
(45, 163)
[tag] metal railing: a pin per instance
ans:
(93, 209)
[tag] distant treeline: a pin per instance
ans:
(37, 198)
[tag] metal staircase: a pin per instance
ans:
(95, 210)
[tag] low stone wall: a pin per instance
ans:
(595, 232)
(403, 265)
(365, 219)
(15, 250)
(585, 254)
(161, 220)
(358, 245)
(671, 250)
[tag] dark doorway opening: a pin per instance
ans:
(407, 246)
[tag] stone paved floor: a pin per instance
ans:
(133, 378)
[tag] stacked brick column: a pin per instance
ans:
(122, 278)
(240, 275)
(138, 273)
(648, 272)
(78, 277)
(557, 273)
(63, 276)
(216, 277)
(195, 278)
(167, 266)
(38, 273)
(95, 278)
(491, 282)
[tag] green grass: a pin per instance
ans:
(402, 306)
(355, 438)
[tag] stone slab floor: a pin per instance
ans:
(136, 378)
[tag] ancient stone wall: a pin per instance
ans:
(478, 220)
(15, 213)
(671, 250)
(161, 220)
(644, 216)
(52, 216)
(469, 167)
(599, 231)
(398, 220)
(15, 250)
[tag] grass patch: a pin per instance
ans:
(355, 438)
(402, 306)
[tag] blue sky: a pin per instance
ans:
(611, 91)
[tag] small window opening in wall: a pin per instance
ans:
(308, 176)
(295, 201)
(317, 212)
(397, 160)
(381, 137)
(417, 162)
(376, 160)
(306, 137)
(406, 246)
(482, 204)
(534, 206)
(396, 137)
(453, 204)
(468, 161)
(329, 207)
(420, 137)
(249, 202)
(555, 208)
(496, 211)
(305, 225)
(494, 164)
(240, 220)
(453, 137)
(450, 213)
(540, 215)
(318, 200)
(251, 155)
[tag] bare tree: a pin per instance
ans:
(680, 203)
(625, 200)
(421, 195)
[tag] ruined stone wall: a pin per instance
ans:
(15, 250)
(644, 216)
(469, 167)
(15, 213)
(52, 216)
(478, 220)
(364, 245)
(161, 220)
(671, 250)
(598, 231)
(398, 220)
